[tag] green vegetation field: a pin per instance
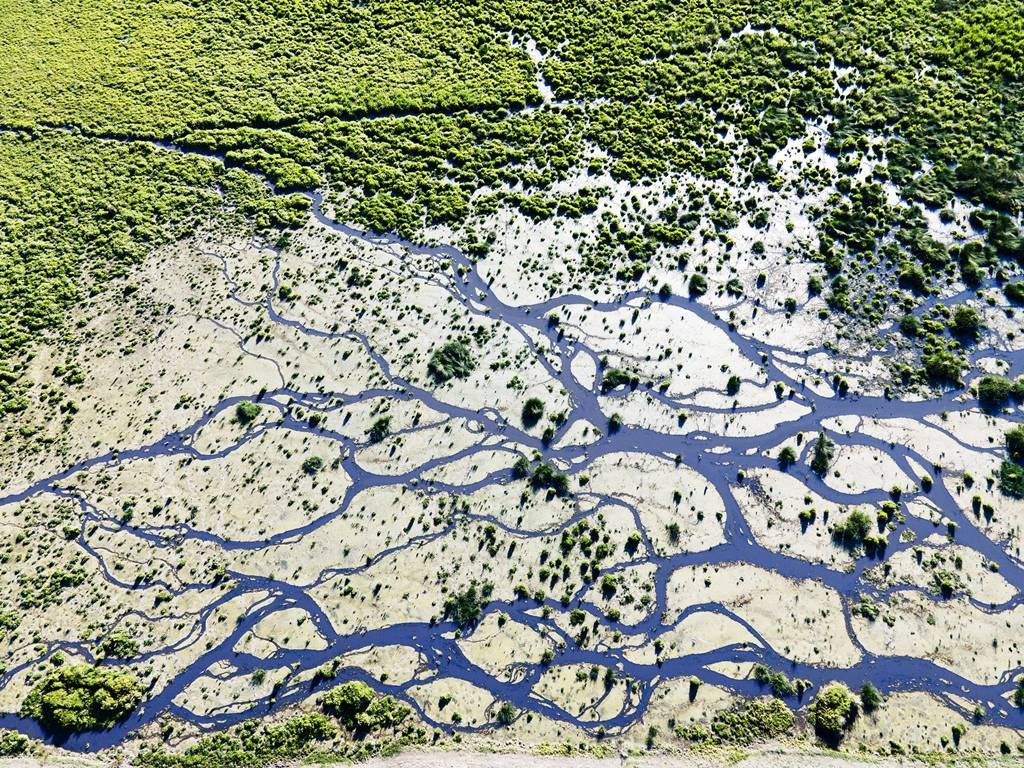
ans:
(424, 112)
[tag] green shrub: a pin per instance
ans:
(756, 720)
(546, 476)
(1015, 443)
(698, 285)
(120, 645)
(249, 744)
(465, 608)
(674, 532)
(80, 697)
(910, 326)
(246, 412)
(383, 712)
(1014, 292)
(780, 684)
(832, 712)
(824, 450)
(870, 698)
(521, 468)
(1011, 479)
(614, 378)
(347, 701)
(9, 621)
(787, 457)
(854, 529)
(451, 361)
(866, 607)
(994, 392)
(12, 744)
(941, 365)
(506, 713)
(381, 429)
(965, 321)
(533, 410)
(1018, 694)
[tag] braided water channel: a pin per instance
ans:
(720, 459)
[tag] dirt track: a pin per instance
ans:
(776, 759)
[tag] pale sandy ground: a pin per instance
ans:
(762, 759)
(766, 759)
(31, 762)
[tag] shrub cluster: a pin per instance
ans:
(80, 697)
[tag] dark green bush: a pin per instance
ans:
(1015, 443)
(824, 450)
(866, 607)
(870, 698)
(521, 468)
(787, 457)
(854, 529)
(506, 713)
(1018, 694)
(995, 392)
(451, 361)
(1011, 479)
(246, 412)
(347, 701)
(942, 365)
(965, 321)
(533, 410)
(466, 607)
(546, 476)
(832, 712)
(780, 684)
(614, 378)
(1014, 292)
(381, 429)
(910, 326)
(120, 645)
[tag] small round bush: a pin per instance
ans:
(832, 712)
(533, 409)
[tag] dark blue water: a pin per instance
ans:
(444, 658)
